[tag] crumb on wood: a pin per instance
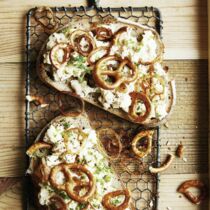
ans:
(186, 79)
(180, 150)
(166, 125)
(184, 159)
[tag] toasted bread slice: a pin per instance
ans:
(66, 154)
(126, 45)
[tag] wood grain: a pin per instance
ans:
(176, 201)
(184, 33)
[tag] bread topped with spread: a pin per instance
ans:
(114, 64)
(69, 171)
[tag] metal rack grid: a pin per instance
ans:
(144, 186)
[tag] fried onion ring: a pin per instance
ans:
(164, 166)
(104, 51)
(37, 146)
(79, 35)
(58, 203)
(55, 60)
(114, 77)
(106, 201)
(133, 112)
(110, 141)
(102, 33)
(142, 150)
(73, 187)
(183, 188)
(53, 176)
(81, 136)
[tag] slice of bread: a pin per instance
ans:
(63, 150)
(148, 57)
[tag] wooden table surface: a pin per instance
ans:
(185, 37)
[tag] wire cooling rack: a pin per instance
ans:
(134, 173)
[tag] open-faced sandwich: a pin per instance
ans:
(114, 64)
(69, 172)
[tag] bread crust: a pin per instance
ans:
(59, 86)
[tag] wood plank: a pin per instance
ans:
(185, 26)
(7, 183)
(12, 198)
(171, 200)
(12, 162)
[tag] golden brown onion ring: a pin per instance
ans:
(110, 141)
(95, 51)
(143, 150)
(58, 203)
(106, 201)
(77, 36)
(66, 53)
(53, 176)
(117, 76)
(102, 33)
(139, 97)
(183, 188)
(37, 146)
(74, 187)
(81, 136)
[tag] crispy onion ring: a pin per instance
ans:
(118, 33)
(117, 76)
(58, 203)
(106, 201)
(139, 97)
(183, 188)
(164, 166)
(110, 142)
(102, 33)
(81, 136)
(77, 36)
(46, 17)
(41, 172)
(94, 52)
(143, 150)
(74, 187)
(53, 176)
(37, 146)
(147, 84)
(72, 113)
(66, 53)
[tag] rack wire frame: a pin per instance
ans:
(134, 13)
